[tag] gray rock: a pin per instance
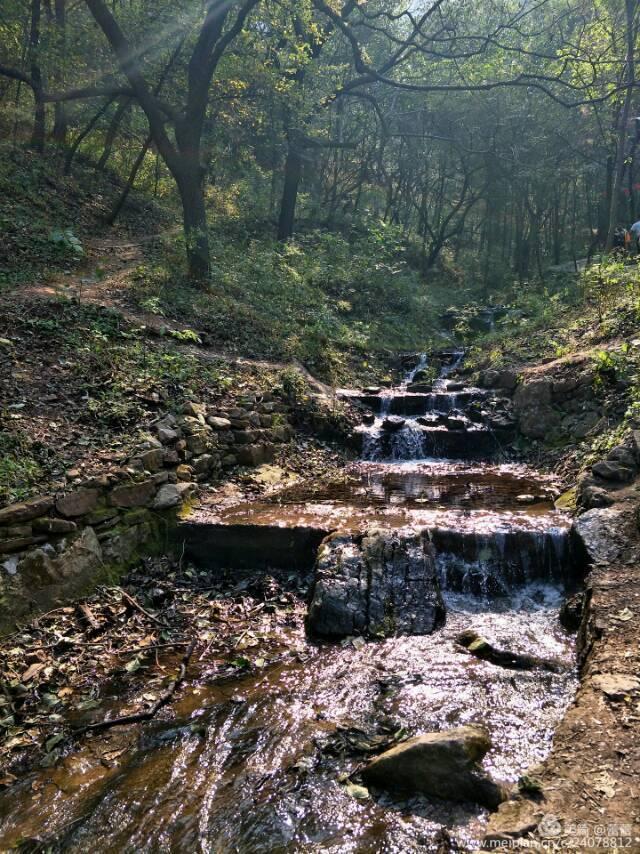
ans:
(591, 496)
(134, 494)
(168, 496)
(219, 423)
(622, 454)
(255, 455)
(26, 510)
(153, 460)
(533, 409)
(78, 503)
(444, 764)
(506, 380)
(605, 533)
(54, 526)
(611, 470)
(381, 583)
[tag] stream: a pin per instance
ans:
(262, 762)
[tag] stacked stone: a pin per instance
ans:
(60, 542)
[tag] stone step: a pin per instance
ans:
(481, 562)
(410, 403)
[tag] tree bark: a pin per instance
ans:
(191, 188)
(112, 132)
(39, 117)
(60, 123)
(292, 175)
(623, 119)
(115, 210)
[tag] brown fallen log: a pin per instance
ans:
(482, 649)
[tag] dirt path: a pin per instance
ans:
(104, 280)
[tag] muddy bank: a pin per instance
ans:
(589, 796)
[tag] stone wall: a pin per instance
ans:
(554, 400)
(58, 545)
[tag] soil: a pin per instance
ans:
(589, 796)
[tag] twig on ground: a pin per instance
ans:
(150, 713)
(135, 604)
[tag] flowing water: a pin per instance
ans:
(261, 763)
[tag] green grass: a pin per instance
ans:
(340, 305)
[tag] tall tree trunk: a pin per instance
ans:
(39, 119)
(71, 153)
(623, 119)
(124, 195)
(60, 123)
(112, 132)
(194, 214)
(292, 175)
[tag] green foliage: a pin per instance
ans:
(329, 301)
(66, 241)
(19, 467)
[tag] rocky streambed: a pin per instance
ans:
(430, 627)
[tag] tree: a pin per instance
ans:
(182, 154)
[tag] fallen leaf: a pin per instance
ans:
(50, 743)
(32, 671)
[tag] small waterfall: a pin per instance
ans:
(447, 370)
(422, 364)
(407, 443)
(488, 565)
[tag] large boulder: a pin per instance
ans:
(378, 584)
(445, 764)
(534, 410)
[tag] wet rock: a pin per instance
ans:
(571, 612)
(485, 651)
(455, 423)
(372, 389)
(26, 510)
(445, 764)
(454, 385)
(393, 422)
(368, 419)
(429, 420)
(526, 499)
(611, 470)
(377, 584)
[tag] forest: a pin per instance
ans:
(319, 425)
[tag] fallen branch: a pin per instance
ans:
(150, 713)
(482, 649)
(135, 604)
(137, 649)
